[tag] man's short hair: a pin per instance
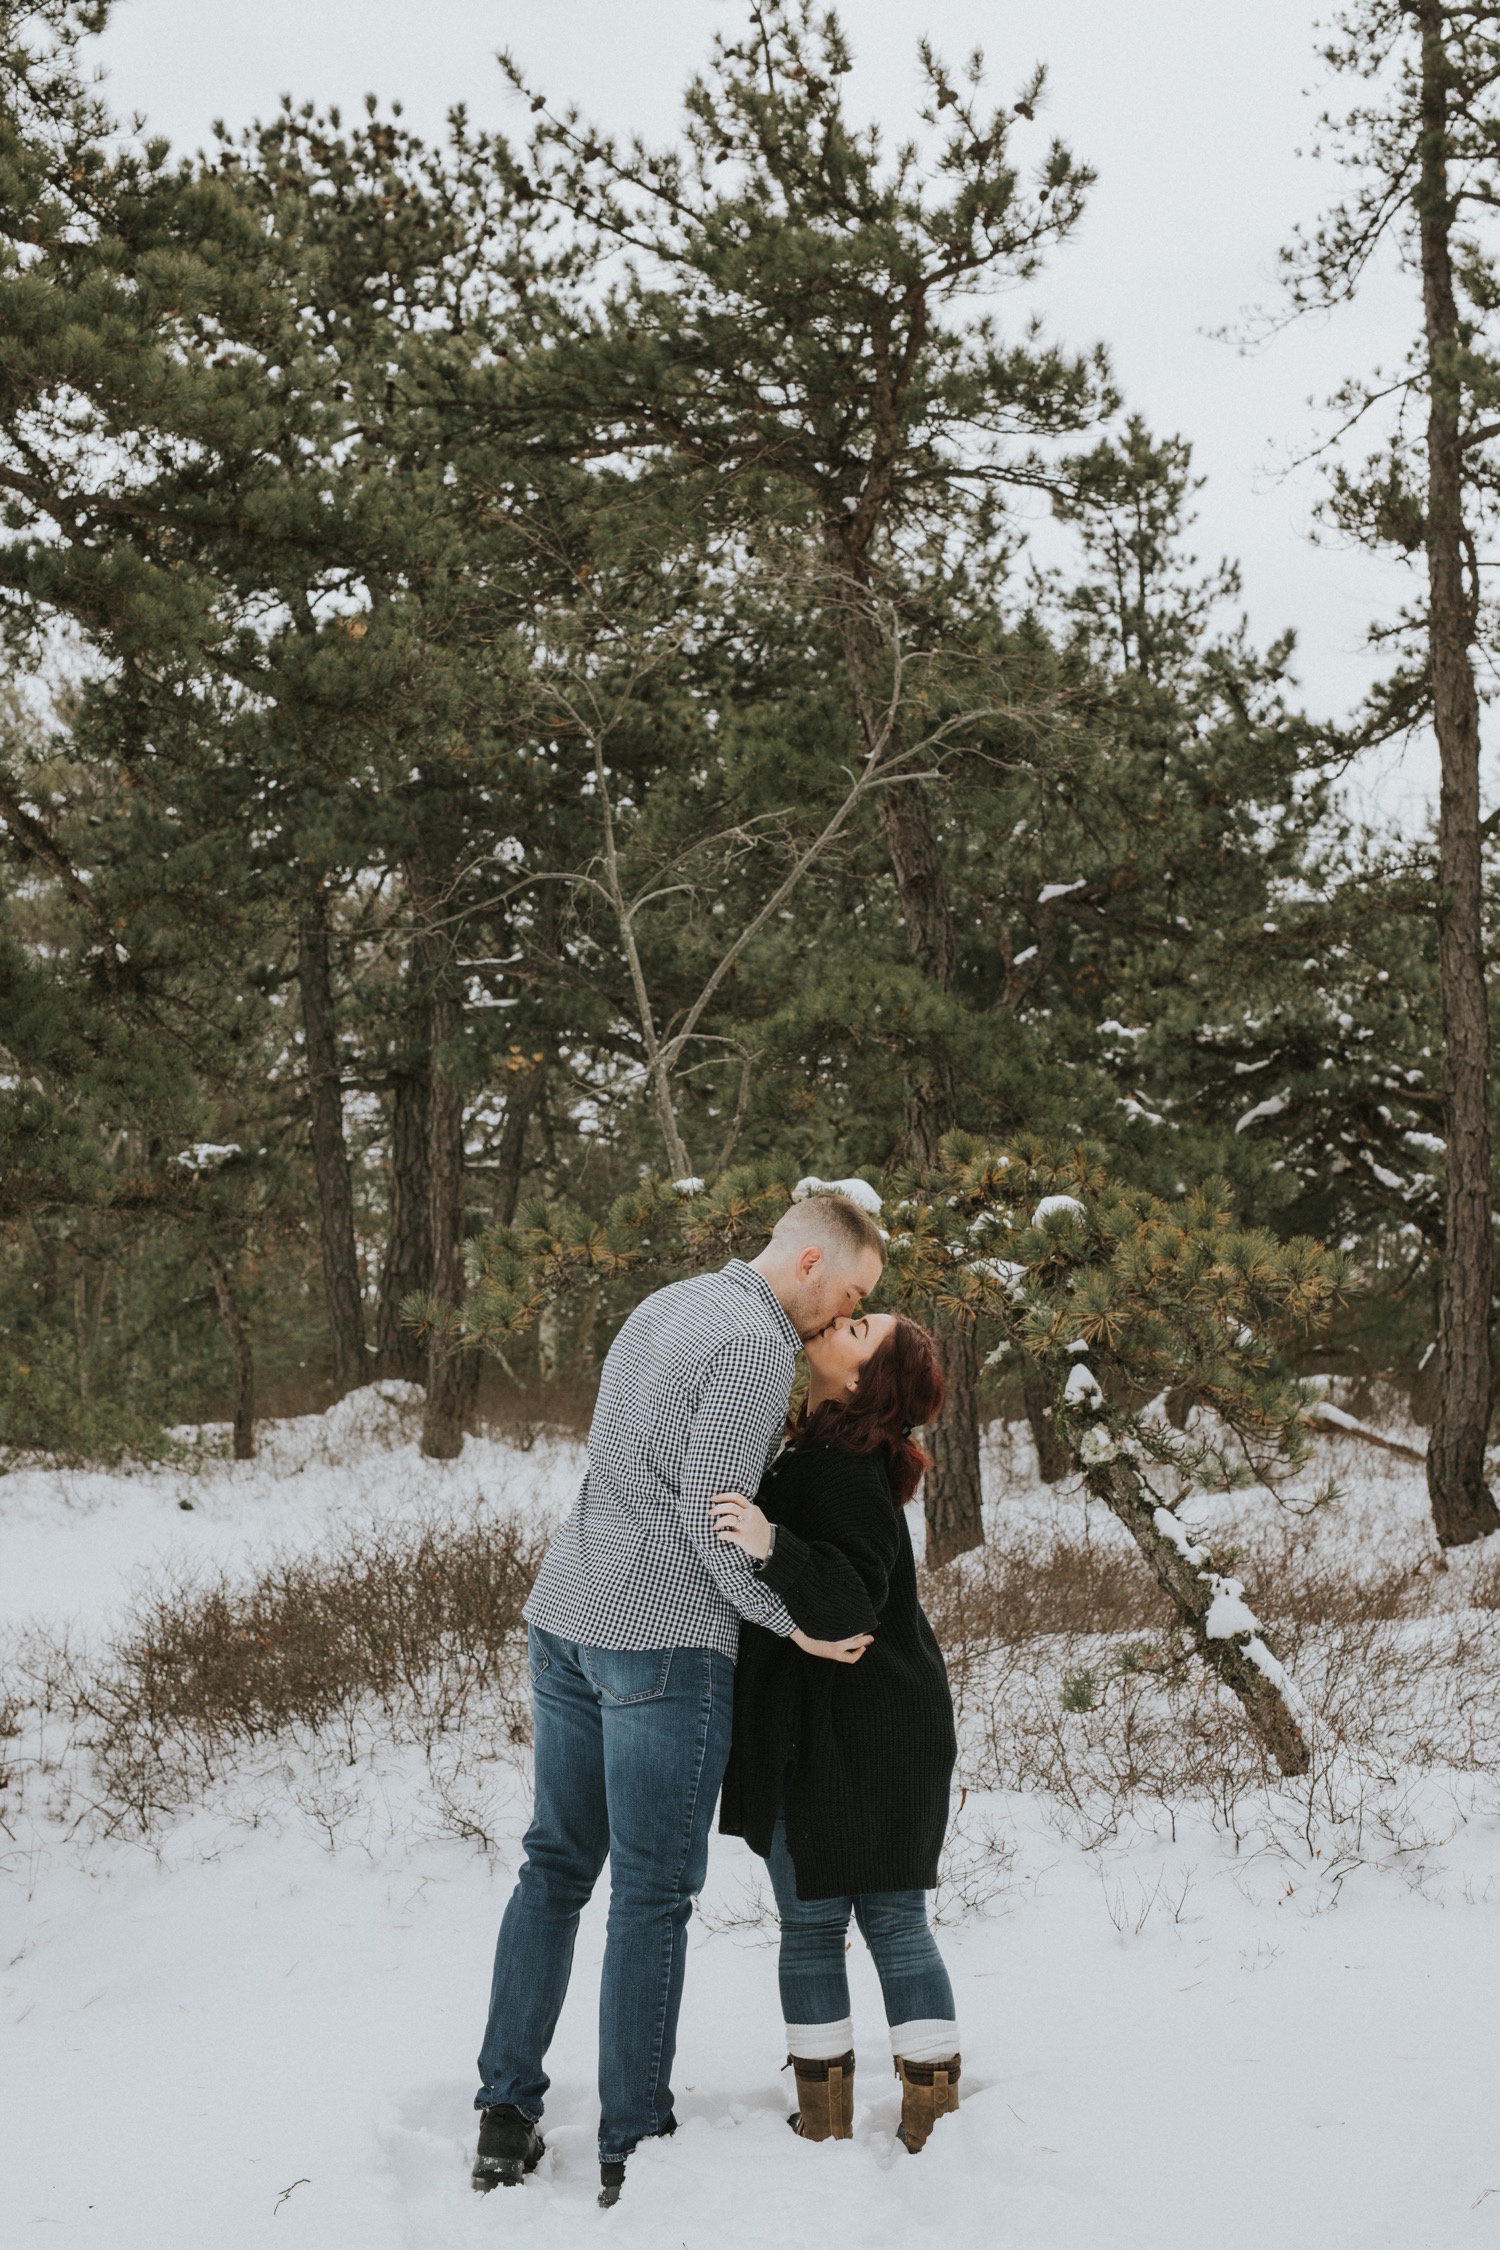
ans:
(835, 1223)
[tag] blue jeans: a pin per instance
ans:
(631, 1747)
(814, 1980)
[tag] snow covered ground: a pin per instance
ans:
(72, 1541)
(259, 2029)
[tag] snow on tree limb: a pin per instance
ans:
(1324, 1416)
(855, 1191)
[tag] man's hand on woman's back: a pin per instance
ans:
(837, 1652)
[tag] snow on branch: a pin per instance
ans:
(1325, 1416)
(855, 1191)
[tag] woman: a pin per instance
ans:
(839, 1773)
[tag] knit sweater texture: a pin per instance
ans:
(858, 1757)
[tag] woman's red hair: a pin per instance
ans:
(900, 1387)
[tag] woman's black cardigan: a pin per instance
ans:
(858, 1757)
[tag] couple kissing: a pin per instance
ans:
(722, 1622)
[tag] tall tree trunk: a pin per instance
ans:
(325, 1102)
(239, 1351)
(1463, 1509)
(521, 1099)
(911, 847)
(1053, 1460)
(407, 1266)
(952, 1495)
(81, 1333)
(452, 1371)
(951, 1491)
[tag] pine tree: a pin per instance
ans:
(274, 569)
(799, 341)
(1423, 144)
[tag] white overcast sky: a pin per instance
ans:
(1191, 112)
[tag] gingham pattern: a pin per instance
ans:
(691, 1402)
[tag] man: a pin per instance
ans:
(634, 1623)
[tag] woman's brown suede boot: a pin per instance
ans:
(825, 2098)
(928, 2091)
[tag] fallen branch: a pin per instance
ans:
(1332, 1419)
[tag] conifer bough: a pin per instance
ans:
(1420, 142)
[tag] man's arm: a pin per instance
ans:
(740, 1410)
(835, 1578)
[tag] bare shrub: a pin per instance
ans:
(995, 1611)
(749, 1911)
(413, 1626)
(519, 1413)
(1011, 1590)
(12, 1708)
(978, 1867)
(1484, 1583)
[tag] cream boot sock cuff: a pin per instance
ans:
(820, 2042)
(927, 2039)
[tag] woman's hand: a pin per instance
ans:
(837, 1652)
(740, 1523)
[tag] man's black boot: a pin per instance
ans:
(612, 2172)
(509, 2147)
(611, 2180)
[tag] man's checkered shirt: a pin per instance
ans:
(691, 1402)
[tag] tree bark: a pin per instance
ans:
(911, 847)
(407, 1266)
(1053, 1460)
(510, 1162)
(1188, 1587)
(1463, 1508)
(452, 1370)
(81, 1333)
(920, 883)
(952, 1499)
(239, 1350)
(325, 1102)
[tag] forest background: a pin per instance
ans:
(526, 673)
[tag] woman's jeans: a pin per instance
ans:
(815, 1982)
(631, 1748)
